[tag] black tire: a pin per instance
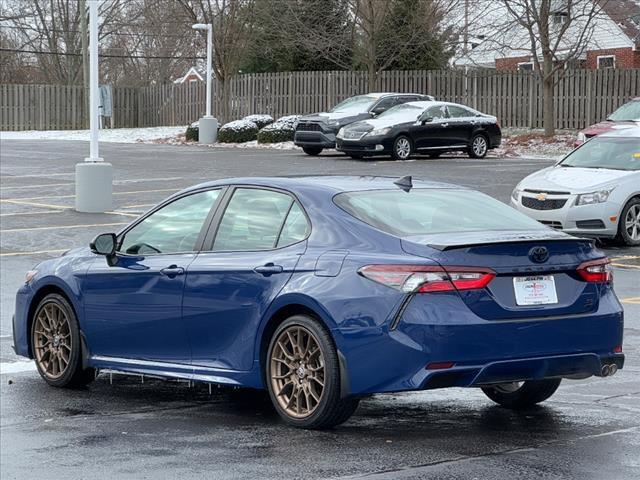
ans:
(434, 154)
(479, 146)
(73, 375)
(402, 148)
(331, 410)
(313, 151)
(632, 208)
(527, 395)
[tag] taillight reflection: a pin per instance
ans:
(423, 279)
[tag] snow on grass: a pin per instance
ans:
(113, 135)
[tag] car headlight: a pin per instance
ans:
(582, 137)
(516, 194)
(595, 197)
(333, 123)
(340, 133)
(378, 132)
(29, 276)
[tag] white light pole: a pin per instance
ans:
(94, 177)
(208, 126)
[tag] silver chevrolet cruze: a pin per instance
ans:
(594, 191)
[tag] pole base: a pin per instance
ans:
(94, 187)
(208, 130)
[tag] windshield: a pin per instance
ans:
(628, 112)
(602, 152)
(430, 211)
(360, 103)
(404, 109)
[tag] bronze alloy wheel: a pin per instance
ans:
(52, 340)
(297, 371)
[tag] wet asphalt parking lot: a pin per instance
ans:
(121, 427)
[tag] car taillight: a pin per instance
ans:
(423, 279)
(597, 271)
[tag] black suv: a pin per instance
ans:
(318, 131)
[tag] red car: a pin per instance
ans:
(628, 114)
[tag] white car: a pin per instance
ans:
(593, 192)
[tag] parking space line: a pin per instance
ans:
(38, 175)
(34, 204)
(39, 252)
(144, 205)
(60, 227)
(73, 196)
(29, 213)
(632, 300)
(36, 186)
(126, 214)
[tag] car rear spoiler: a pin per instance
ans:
(451, 241)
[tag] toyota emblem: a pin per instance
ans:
(539, 254)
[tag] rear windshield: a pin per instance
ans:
(429, 211)
(614, 153)
(629, 111)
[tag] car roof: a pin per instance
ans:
(388, 94)
(628, 131)
(435, 103)
(331, 183)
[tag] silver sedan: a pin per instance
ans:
(594, 191)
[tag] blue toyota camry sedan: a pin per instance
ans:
(324, 290)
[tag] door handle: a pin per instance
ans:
(172, 271)
(269, 269)
(444, 124)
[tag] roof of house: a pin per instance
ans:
(617, 26)
(191, 71)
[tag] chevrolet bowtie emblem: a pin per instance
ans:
(541, 196)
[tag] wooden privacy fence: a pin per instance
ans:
(582, 97)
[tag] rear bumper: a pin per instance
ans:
(436, 328)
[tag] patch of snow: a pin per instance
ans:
(283, 123)
(17, 367)
(239, 125)
(255, 144)
(259, 118)
(112, 135)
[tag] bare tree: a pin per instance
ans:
(554, 34)
(232, 24)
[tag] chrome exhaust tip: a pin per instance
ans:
(613, 368)
(606, 371)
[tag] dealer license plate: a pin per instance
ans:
(535, 290)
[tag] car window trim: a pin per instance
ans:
(201, 235)
(212, 231)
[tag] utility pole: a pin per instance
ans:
(94, 176)
(82, 6)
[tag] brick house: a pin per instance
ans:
(613, 42)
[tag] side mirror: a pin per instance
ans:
(104, 244)
(424, 120)
(377, 111)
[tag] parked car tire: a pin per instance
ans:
(402, 148)
(312, 150)
(629, 223)
(55, 343)
(303, 375)
(522, 394)
(479, 146)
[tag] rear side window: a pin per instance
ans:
(459, 112)
(428, 211)
(258, 219)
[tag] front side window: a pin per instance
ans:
(437, 112)
(172, 229)
(606, 152)
(430, 211)
(258, 219)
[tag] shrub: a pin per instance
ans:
(281, 130)
(238, 131)
(260, 120)
(192, 132)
